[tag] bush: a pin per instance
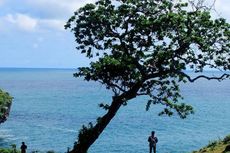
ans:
(3, 150)
(212, 144)
(226, 139)
(50, 151)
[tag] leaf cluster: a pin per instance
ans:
(150, 43)
(5, 102)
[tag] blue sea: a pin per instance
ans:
(50, 106)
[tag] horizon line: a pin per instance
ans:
(37, 68)
(71, 68)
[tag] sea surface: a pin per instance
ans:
(50, 106)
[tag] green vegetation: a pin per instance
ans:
(144, 49)
(226, 139)
(218, 146)
(14, 149)
(5, 104)
(5, 150)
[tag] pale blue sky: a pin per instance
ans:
(32, 33)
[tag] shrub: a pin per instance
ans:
(51, 151)
(4, 150)
(212, 144)
(226, 139)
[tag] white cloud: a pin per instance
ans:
(52, 23)
(58, 9)
(52, 14)
(22, 21)
(41, 14)
(27, 23)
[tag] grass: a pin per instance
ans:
(226, 139)
(8, 150)
(216, 146)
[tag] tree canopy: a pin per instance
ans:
(5, 103)
(145, 48)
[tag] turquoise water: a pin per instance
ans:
(50, 106)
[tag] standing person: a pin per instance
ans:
(23, 147)
(152, 142)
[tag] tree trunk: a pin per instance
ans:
(82, 147)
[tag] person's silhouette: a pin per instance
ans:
(23, 147)
(152, 142)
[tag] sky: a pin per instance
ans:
(32, 33)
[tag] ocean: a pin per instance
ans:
(50, 106)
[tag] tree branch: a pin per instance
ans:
(113, 86)
(224, 76)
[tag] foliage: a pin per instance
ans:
(212, 144)
(36, 151)
(5, 102)
(217, 146)
(145, 48)
(13, 150)
(51, 151)
(226, 139)
(151, 43)
(5, 150)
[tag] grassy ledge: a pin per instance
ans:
(8, 150)
(219, 146)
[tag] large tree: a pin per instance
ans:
(145, 48)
